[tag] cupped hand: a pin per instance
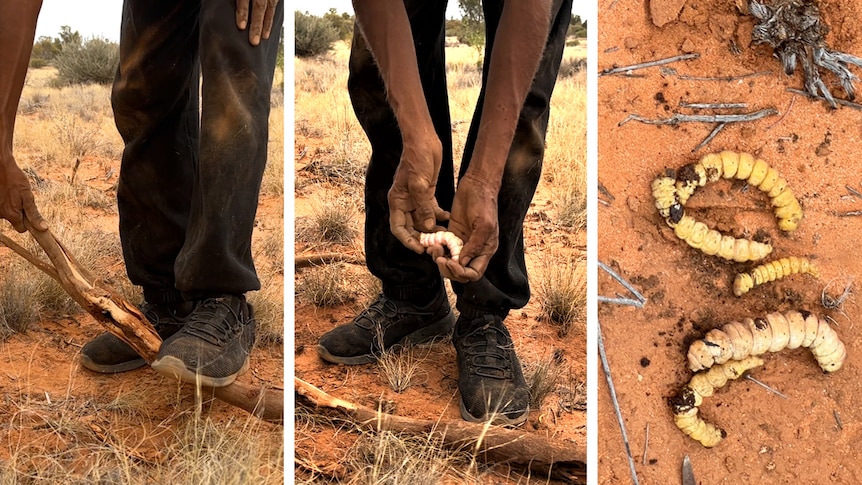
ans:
(474, 220)
(262, 14)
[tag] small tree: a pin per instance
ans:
(472, 22)
(314, 35)
(93, 61)
(45, 50)
(342, 23)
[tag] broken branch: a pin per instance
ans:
(127, 322)
(552, 457)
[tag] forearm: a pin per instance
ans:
(386, 29)
(518, 46)
(17, 29)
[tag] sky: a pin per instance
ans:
(316, 7)
(92, 18)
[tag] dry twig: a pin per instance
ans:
(678, 118)
(659, 62)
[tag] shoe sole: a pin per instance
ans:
(111, 369)
(496, 419)
(173, 367)
(438, 330)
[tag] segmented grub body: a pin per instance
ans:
(775, 332)
(672, 190)
(445, 238)
(697, 235)
(772, 271)
(743, 166)
(703, 384)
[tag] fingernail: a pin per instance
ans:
(242, 25)
(255, 40)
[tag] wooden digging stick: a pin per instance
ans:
(552, 457)
(127, 322)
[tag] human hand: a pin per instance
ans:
(16, 199)
(262, 13)
(474, 220)
(412, 204)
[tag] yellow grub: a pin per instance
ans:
(773, 333)
(772, 271)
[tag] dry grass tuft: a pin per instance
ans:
(562, 291)
(543, 378)
(331, 222)
(19, 298)
(386, 457)
(268, 305)
(323, 286)
(400, 365)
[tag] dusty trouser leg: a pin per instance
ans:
(214, 266)
(155, 101)
(405, 275)
(237, 79)
(504, 285)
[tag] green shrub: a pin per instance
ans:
(314, 35)
(94, 61)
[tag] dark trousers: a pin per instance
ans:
(190, 177)
(409, 276)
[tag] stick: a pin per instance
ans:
(659, 62)
(770, 389)
(683, 104)
(552, 457)
(326, 258)
(646, 445)
(783, 115)
(852, 191)
(613, 392)
(640, 298)
(709, 137)
(672, 72)
(678, 118)
(124, 320)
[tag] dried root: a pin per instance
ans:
(704, 384)
(697, 235)
(449, 240)
(795, 29)
(753, 337)
(772, 271)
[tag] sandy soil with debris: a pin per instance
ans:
(809, 436)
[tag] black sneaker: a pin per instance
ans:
(213, 347)
(490, 378)
(107, 354)
(385, 325)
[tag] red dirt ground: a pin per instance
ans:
(811, 436)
